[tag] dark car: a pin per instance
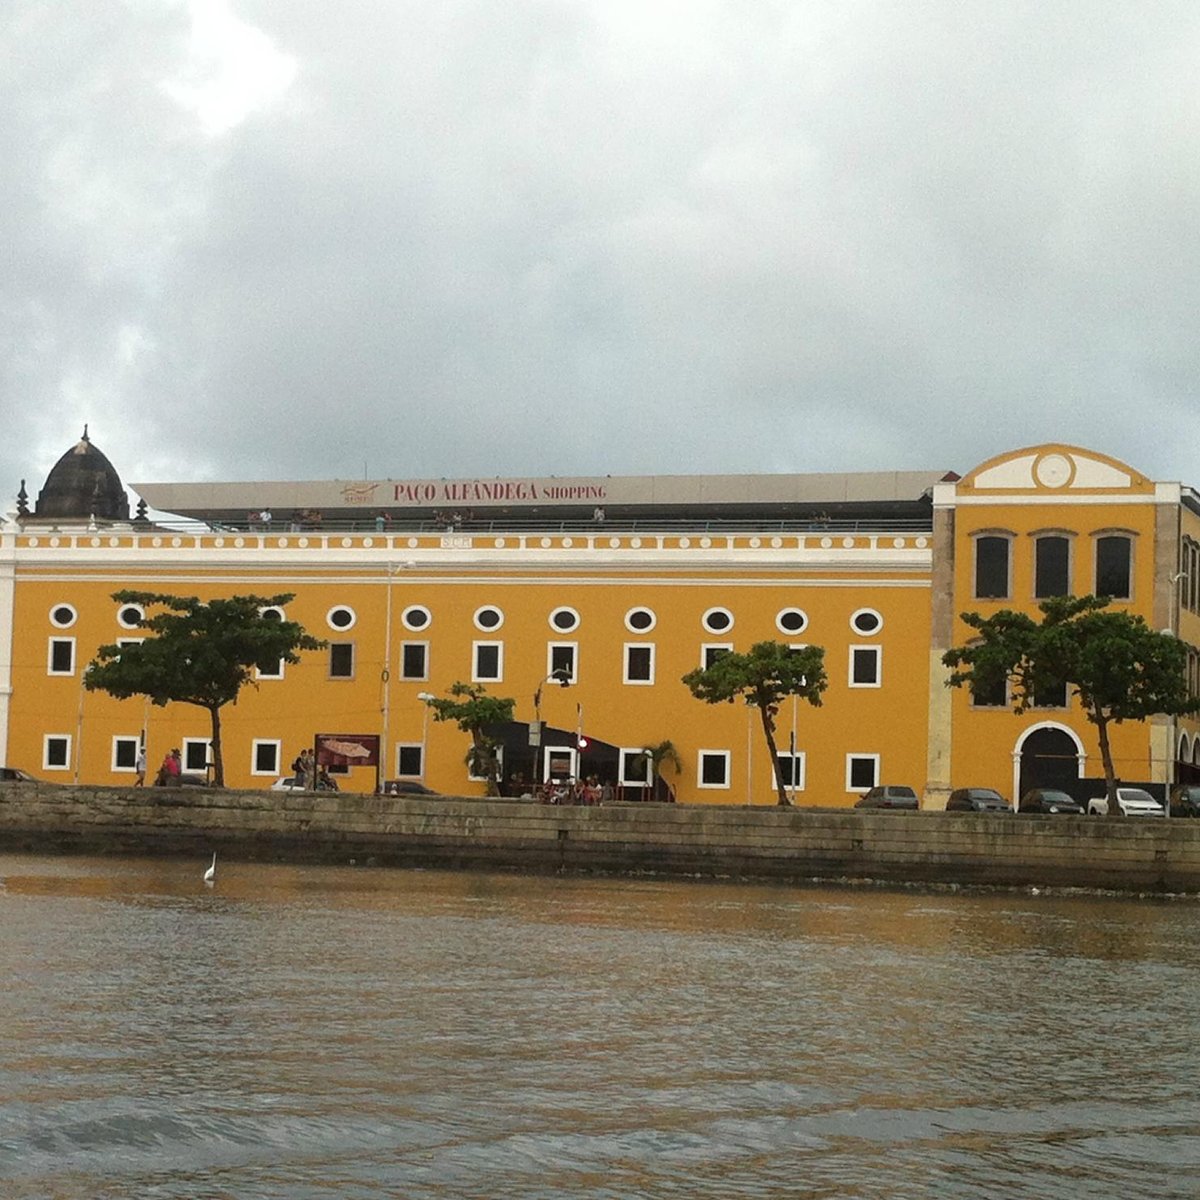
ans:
(1185, 800)
(976, 800)
(15, 775)
(1049, 800)
(407, 787)
(889, 797)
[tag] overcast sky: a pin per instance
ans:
(401, 238)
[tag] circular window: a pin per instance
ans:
(717, 620)
(640, 620)
(488, 618)
(274, 613)
(416, 616)
(63, 615)
(128, 615)
(564, 620)
(791, 620)
(866, 620)
(341, 617)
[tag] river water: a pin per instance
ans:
(316, 1033)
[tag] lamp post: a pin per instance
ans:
(79, 720)
(562, 677)
(425, 698)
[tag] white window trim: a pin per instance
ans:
(853, 757)
(63, 624)
(267, 674)
(878, 651)
(625, 663)
(185, 753)
(406, 618)
(563, 608)
(867, 612)
(632, 752)
(475, 648)
(709, 612)
(419, 746)
(400, 665)
(56, 737)
(125, 624)
(574, 648)
(254, 745)
(705, 647)
(341, 628)
(572, 758)
(125, 737)
(727, 755)
(784, 612)
(801, 774)
(641, 608)
(499, 768)
(489, 608)
(50, 655)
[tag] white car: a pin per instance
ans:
(1132, 801)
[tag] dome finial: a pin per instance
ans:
(85, 436)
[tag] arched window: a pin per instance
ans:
(1051, 566)
(1114, 566)
(992, 556)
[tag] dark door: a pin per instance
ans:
(1049, 758)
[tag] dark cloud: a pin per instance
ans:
(435, 239)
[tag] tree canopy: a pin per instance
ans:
(764, 677)
(200, 652)
(1120, 668)
(471, 708)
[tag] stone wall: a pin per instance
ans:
(702, 840)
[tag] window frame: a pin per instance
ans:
(53, 641)
(633, 753)
(487, 644)
(349, 647)
(67, 746)
(869, 649)
(1041, 536)
(424, 647)
(573, 674)
(726, 756)
(854, 756)
(119, 740)
(978, 537)
(1114, 535)
(626, 677)
(419, 747)
(799, 759)
(707, 647)
(275, 744)
(186, 747)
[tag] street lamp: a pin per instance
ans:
(425, 698)
(562, 677)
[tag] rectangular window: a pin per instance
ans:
(711, 651)
(865, 666)
(1051, 567)
(196, 755)
(269, 671)
(561, 660)
(56, 752)
(635, 768)
(410, 760)
(639, 662)
(1114, 561)
(487, 662)
(61, 658)
(862, 772)
(991, 568)
(792, 769)
(414, 660)
(560, 762)
(990, 693)
(1050, 695)
(124, 754)
(341, 660)
(264, 757)
(713, 769)
(477, 772)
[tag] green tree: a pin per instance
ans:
(764, 676)
(662, 754)
(472, 710)
(1120, 668)
(200, 652)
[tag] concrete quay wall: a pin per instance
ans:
(688, 840)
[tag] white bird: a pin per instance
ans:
(211, 873)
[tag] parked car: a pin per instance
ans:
(975, 799)
(1132, 801)
(1185, 800)
(15, 775)
(1049, 800)
(295, 783)
(407, 787)
(889, 796)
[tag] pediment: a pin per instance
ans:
(1054, 468)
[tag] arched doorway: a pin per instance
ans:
(1048, 756)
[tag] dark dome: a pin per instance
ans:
(83, 483)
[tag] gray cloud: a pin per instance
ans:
(440, 239)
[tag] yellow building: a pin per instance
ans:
(620, 585)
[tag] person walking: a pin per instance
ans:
(140, 767)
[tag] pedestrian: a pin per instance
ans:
(140, 767)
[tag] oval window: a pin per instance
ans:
(563, 620)
(866, 621)
(128, 615)
(63, 615)
(416, 616)
(717, 620)
(488, 618)
(341, 618)
(640, 620)
(791, 620)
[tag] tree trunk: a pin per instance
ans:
(769, 732)
(1110, 775)
(218, 761)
